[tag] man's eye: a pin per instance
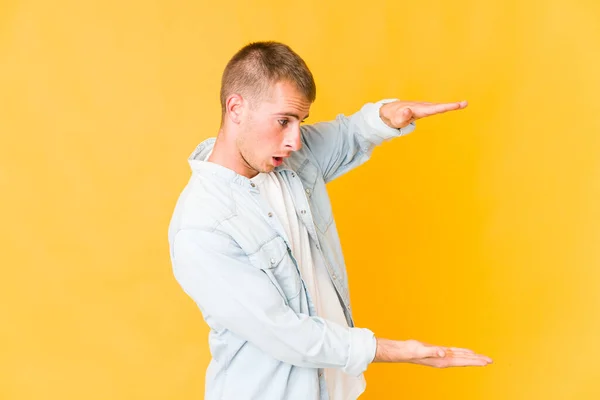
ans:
(283, 122)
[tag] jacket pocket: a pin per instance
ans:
(274, 259)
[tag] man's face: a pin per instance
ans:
(270, 130)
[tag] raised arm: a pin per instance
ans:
(348, 141)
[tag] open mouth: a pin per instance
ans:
(277, 161)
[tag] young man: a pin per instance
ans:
(254, 243)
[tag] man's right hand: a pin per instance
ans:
(415, 352)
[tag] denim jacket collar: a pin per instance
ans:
(198, 163)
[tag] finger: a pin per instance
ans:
(431, 109)
(452, 350)
(464, 362)
(454, 362)
(460, 349)
(405, 117)
(464, 354)
(435, 352)
(444, 107)
(469, 354)
(457, 362)
(469, 357)
(455, 351)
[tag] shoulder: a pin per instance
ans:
(203, 204)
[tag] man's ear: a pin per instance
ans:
(234, 107)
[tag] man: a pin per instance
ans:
(254, 243)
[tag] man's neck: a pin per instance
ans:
(225, 153)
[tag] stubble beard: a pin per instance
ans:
(252, 167)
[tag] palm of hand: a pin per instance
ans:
(443, 357)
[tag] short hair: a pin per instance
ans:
(259, 65)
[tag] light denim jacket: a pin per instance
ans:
(231, 256)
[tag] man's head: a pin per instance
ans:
(266, 92)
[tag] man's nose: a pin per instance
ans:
(292, 140)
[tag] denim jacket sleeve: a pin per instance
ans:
(235, 295)
(345, 143)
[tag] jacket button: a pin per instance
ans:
(270, 214)
(272, 261)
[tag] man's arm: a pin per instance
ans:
(233, 294)
(347, 142)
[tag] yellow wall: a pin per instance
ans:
(479, 230)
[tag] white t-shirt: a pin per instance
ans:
(340, 385)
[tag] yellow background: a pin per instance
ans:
(479, 230)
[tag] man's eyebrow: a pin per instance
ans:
(291, 114)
